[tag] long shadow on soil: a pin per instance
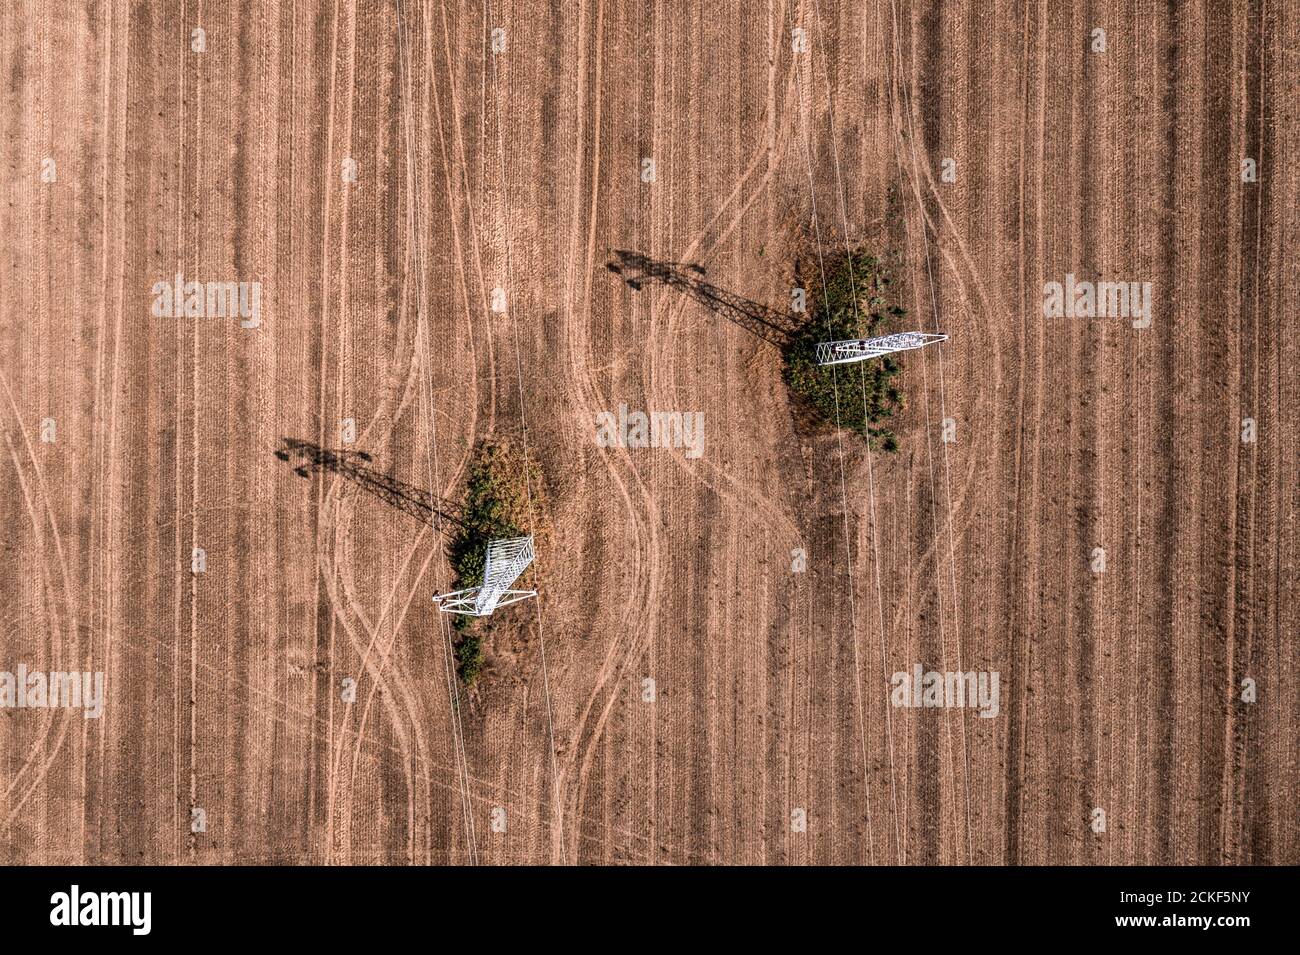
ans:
(637, 270)
(352, 466)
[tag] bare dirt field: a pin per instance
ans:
(1078, 505)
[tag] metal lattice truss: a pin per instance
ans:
(860, 349)
(506, 560)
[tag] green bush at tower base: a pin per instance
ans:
(861, 396)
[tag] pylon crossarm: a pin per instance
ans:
(467, 601)
(514, 596)
(461, 601)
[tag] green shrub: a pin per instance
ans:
(495, 505)
(469, 657)
(853, 306)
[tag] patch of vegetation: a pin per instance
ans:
(496, 505)
(853, 306)
(469, 656)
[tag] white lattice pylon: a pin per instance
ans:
(506, 559)
(860, 349)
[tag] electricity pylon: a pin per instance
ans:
(860, 349)
(506, 560)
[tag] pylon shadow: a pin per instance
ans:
(352, 466)
(637, 270)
